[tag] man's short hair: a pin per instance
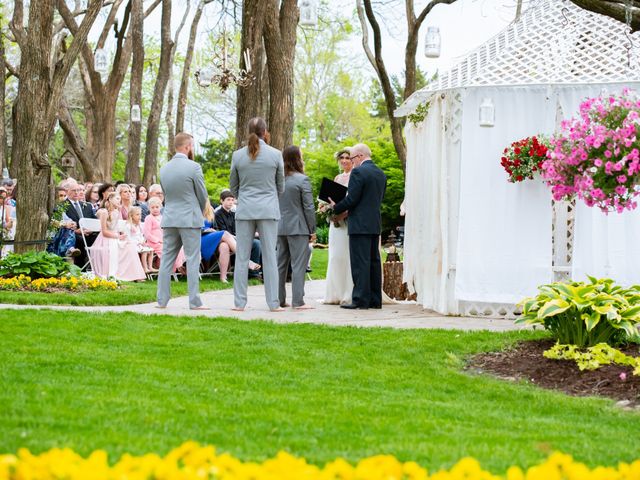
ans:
(156, 187)
(181, 140)
(362, 149)
(226, 194)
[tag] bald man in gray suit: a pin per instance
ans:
(185, 199)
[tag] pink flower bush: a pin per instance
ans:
(596, 157)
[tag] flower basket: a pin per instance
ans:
(596, 157)
(523, 159)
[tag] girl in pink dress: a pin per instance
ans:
(112, 256)
(153, 232)
(133, 230)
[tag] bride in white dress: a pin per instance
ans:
(339, 284)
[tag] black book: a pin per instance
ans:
(329, 188)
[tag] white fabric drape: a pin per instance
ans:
(606, 245)
(504, 237)
(431, 158)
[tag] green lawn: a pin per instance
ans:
(134, 293)
(137, 384)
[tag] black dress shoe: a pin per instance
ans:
(377, 307)
(353, 306)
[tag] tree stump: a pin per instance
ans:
(393, 285)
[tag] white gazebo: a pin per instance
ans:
(474, 243)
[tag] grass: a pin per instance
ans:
(135, 293)
(139, 384)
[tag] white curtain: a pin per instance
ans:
(606, 245)
(504, 237)
(432, 156)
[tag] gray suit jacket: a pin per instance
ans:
(257, 183)
(185, 194)
(298, 215)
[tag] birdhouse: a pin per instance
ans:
(68, 160)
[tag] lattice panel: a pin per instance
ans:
(488, 310)
(553, 42)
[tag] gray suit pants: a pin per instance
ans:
(245, 233)
(293, 250)
(173, 239)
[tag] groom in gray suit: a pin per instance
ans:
(185, 199)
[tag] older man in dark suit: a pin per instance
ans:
(367, 185)
(76, 210)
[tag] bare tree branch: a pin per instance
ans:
(17, 23)
(613, 8)
(365, 35)
(111, 19)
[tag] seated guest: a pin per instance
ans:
(76, 210)
(92, 196)
(61, 194)
(155, 190)
(6, 222)
(141, 200)
(126, 199)
(112, 256)
(104, 190)
(225, 216)
(133, 230)
(220, 240)
(153, 232)
(61, 231)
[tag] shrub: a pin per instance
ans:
(585, 314)
(36, 265)
(322, 234)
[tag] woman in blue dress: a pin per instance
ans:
(220, 240)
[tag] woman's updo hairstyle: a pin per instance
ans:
(257, 129)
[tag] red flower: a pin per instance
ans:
(519, 178)
(516, 151)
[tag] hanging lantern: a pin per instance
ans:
(432, 43)
(487, 113)
(312, 135)
(101, 63)
(309, 13)
(204, 77)
(136, 115)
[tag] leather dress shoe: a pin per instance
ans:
(377, 307)
(353, 306)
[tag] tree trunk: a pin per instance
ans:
(250, 99)
(132, 170)
(34, 113)
(613, 8)
(186, 69)
(3, 86)
(153, 124)
(280, 46)
(387, 89)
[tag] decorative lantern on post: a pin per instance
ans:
(487, 113)
(136, 115)
(309, 13)
(101, 62)
(432, 43)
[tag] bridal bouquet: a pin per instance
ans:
(325, 213)
(596, 156)
(522, 159)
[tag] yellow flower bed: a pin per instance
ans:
(192, 461)
(74, 284)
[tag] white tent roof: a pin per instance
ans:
(554, 42)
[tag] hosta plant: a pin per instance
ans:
(36, 265)
(585, 313)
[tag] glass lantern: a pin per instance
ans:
(136, 115)
(205, 77)
(309, 13)
(432, 42)
(101, 62)
(487, 113)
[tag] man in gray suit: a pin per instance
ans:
(256, 180)
(185, 199)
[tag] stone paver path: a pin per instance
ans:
(401, 315)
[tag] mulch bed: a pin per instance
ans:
(525, 362)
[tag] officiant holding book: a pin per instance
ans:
(366, 188)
